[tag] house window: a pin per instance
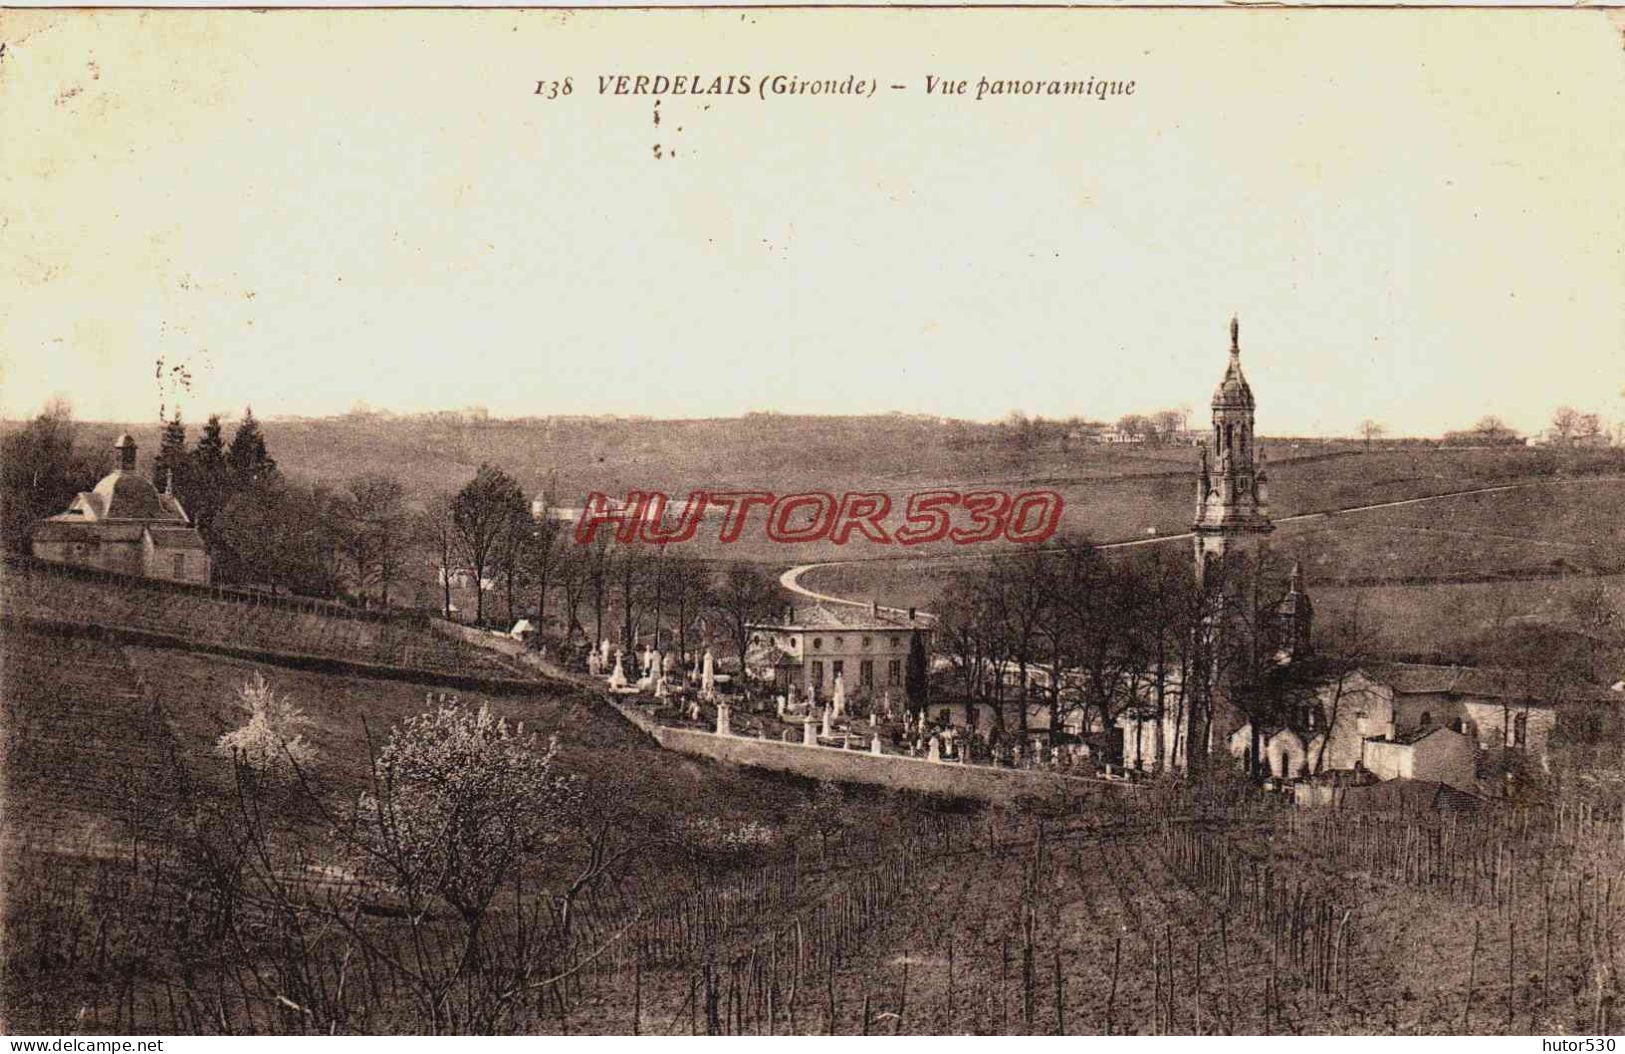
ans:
(818, 672)
(837, 667)
(866, 673)
(1520, 730)
(866, 642)
(1425, 721)
(180, 565)
(818, 642)
(894, 672)
(896, 642)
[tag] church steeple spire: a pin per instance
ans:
(1232, 505)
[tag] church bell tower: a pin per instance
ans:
(1232, 492)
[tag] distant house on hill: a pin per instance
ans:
(125, 525)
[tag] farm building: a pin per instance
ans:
(125, 525)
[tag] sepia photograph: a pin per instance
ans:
(796, 522)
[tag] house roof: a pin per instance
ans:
(176, 537)
(1407, 678)
(1412, 795)
(842, 617)
(124, 495)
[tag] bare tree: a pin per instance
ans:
(437, 531)
(542, 559)
(689, 586)
(375, 532)
(743, 597)
(1371, 430)
(1565, 424)
(483, 513)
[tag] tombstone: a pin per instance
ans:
(723, 715)
(809, 732)
(603, 653)
(617, 679)
(840, 694)
(781, 707)
(660, 687)
(708, 675)
(874, 745)
(694, 710)
(669, 663)
(828, 722)
(935, 750)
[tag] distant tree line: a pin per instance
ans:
(366, 542)
(485, 538)
(1023, 435)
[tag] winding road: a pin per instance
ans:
(791, 579)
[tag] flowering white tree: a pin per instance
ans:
(459, 797)
(273, 734)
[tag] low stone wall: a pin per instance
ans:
(949, 778)
(859, 766)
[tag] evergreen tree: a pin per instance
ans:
(247, 457)
(208, 478)
(170, 468)
(916, 676)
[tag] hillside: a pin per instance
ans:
(1111, 492)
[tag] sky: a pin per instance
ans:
(1415, 214)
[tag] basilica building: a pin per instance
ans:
(1230, 529)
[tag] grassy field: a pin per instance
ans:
(1555, 544)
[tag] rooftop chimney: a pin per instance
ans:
(126, 453)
